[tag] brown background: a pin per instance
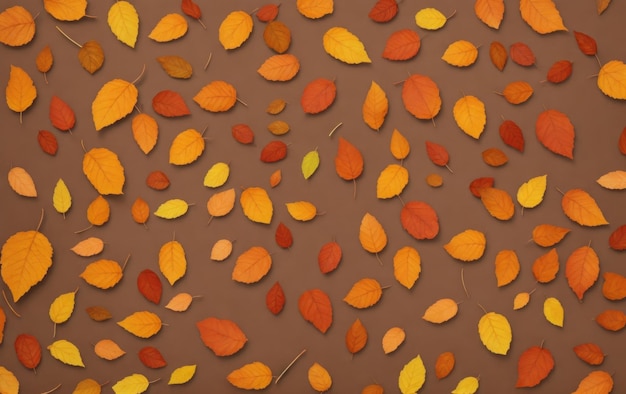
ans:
(275, 340)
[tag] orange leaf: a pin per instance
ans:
(547, 235)
(61, 114)
(490, 12)
(372, 234)
(517, 92)
(403, 44)
(441, 311)
(242, 133)
(611, 319)
(140, 211)
(533, 366)
(157, 180)
(91, 56)
(364, 293)
(108, 350)
(276, 106)
(150, 286)
(151, 357)
(216, 96)
(399, 145)
(221, 203)
(275, 178)
(329, 257)
(103, 274)
(434, 180)
(420, 220)
(393, 338)
(494, 157)
(28, 350)
(468, 245)
(252, 265)
(373, 389)
(180, 302)
(522, 54)
(145, 132)
(498, 202)
(555, 131)
(318, 95)
(589, 353)
(438, 154)
(275, 298)
(48, 142)
(375, 107)
(580, 207)
(498, 55)
(222, 336)
(507, 267)
(511, 134)
(614, 287)
(559, 71)
(586, 43)
(582, 269)
(169, 104)
(348, 161)
(273, 151)
(191, 9)
(444, 364)
(3, 320)
(542, 16)
(280, 67)
(283, 236)
(546, 267)
(596, 382)
(17, 26)
(420, 96)
(356, 337)
(277, 36)
(267, 12)
(479, 184)
(315, 307)
(98, 211)
(407, 266)
(383, 11)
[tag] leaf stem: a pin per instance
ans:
(335, 128)
(143, 70)
(354, 193)
(483, 308)
(201, 23)
(242, 102)
(40, 220)
(53, 389)
(463, 283)
(9, 305)
(289, 366)
(68, 37)
(83, 230)
(206, 65)
(379, 260)
(126, 262)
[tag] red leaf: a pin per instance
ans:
(438, 154)
(555, 131)
(150, 285)
(521, 54)
(61, 115)
(318, 95)
(315, 307)
(283, 236)
(559, 71)
(267, 13)
(621, 143)
(28, 350)
(274, 151)
(349, 160)
(242, 133)
(329, 257)
(586, 44)
(47, 142)
(420, 220)
(511, 134)
(275, 298)
(480, 184)
(157, 180)
(403, 44)
(169, 104)
(582, 269)
(589, 353)
(533, 366)
(617, 239)
(611, 319)
(151, 357)
(191, 9)
(383, 11)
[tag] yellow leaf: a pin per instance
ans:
(102, 274)
(186, 147)
(66, 10)
(612, 79)
(133, 384)
(280, 67)
(407, 266)
(364, 293)
(180, 302)
(26, 257)
(172, 261)
(412, 376)
(170, 27)
(88, 247)
(301, 210)
(253, 376)
(62, 307)
(115, 100)
(21, 182)
(21, 91)
(17, 26)
(541, 15)
(470, 116)
(172, 209)
(221, 250)
(235, 29)
(614, 180)
(460, 53)
(441, 311)
(392, 339)
(66, 352)
(553, 311)
(498, 202)
(345, 46)
(108, 350)
(495, 333)
(142, 324)
(217, 175)
(521, 300)
(310, 163)
(430, 19)
(490, 12)
(145, 132)
(399, 145)
(468, 385)
(372, 234)
(315, 9)
(182, 375)
(87, 386)
(98, 211)
(124, 22)
(61, 197)
(468, 245)
(319, 378)
(375, 107)
(391, 181)
(8, 382)
(256, 205)
(220, 204)
(216, 96)
(530, 194)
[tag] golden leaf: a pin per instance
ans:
(87, 386)
(102, 274)
(20, 91)
(172, 261)
(399, 145)
(391, 181)
(470, 116)
(547, 235)
(276, 106)
(61, 197)
(542, 16)
(277, 36)
(372, 234)
(186, 147)
(217, 175)
(430, 19)
(221, 203)
(495, 333)
(135, 383)
(256, 205)
(88, 247)
(142, 324)
(66, 352)
(104, 171)
(180, 302)
(235, 29)
(44, 60)
(98, 211)
(124, 22)
(364, 293)
(613, 180)
(441, 311)
(221, 250)
(460, 53)
(467, 385)
(21, 182)
(62, 307)
(553, 311)
(170, 27)
(91, 56)
(612, 79)
(412, 376)
(530, 193)
(172, 209)
(580, 207)
(375, 107)
(468, 245)
(280, 67)
(301, 210)
(319, 378)
(17, 26)
(407, 266)
(8, 381)
(216, 96)
(253, 376)
(278, 127)
(602, 5)
(115, 100)
(145, 132)
(392, 339)
(315, 9)
(108, 350)
(345, 46)
(66, 10)
(252, 265)
(310, 163)
(182, 375)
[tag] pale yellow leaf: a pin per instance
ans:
(399, 145)
(66, 10)
(66, 352)
(142, 324)
(430, 19)
(495, 333)
(8, 382)
(343, 45)
(441, 311)
(124, 22)
(235, 29)
(21, 182)
(87, 386)
(170, 27)
(412, 376)
(553, 311)
(375, 107)
(315, 9)
(108, 350)
(182, 375)
(253, 376)
(372, 235)
(172, 209)
(114, 100)
(310, 163)
(221, 250)
(541, 15)
(20, 91)
(133, 384)
(530, 193)
(468, 245)
(172, 261)
(88, 247)
(217, 175)
(407, 266)
(393, 338)
(221, 203)
(391, 181)
(62, 307)
(180, 302)
(467, 385)
(61, 197)
(102, 274)
(470, 116)
(614, 180)
(461, 53)
(319, 378)
(301, 210)
(186, 147)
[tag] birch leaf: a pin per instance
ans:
(62, 307)
(180, 302)
(87, 386)
(441, 311)
(277, 36)
(315, 9)
(310, 163)
(170, 27)
(364, 293)
(176, 66)
(252, 265)
(542, 16)
(596, 382)
(470, 116)
(343, 45)
(393, 338)
(507, 267)
(253, 376)
(61, 197)
(104, 171)
(145, 132)
(495, 332)
(521, 300)
(21, 182)
(412, 376)
(490, 12)
(399, 145)
(221, 203)
(468, 245)
(102, 274)
(142, 324)
(186, 147)
(530, 193)
(372, 234)
(172, 209)
(533, 366)
(461, 53)
(283, 67)
(172, 261)
(407, 266)
(553, 311)
(17, 26)
(612, 79)
(391, 181)
(135, 383)
(467, 385)
(613, 180)
(222, 336)
(108, 350)
(235, 29)
(66, 10)
(216, 96)
(375, 107)
(580, 207)
(420, 96)
(124, 22)
(182, 375)
(217, 175)
(430, 19)
(20, 91)
(221, 250)
(582, 269)
(66, 352)
(114, 100)
(8, 381)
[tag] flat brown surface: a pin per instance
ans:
(276, 340)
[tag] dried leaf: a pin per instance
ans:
(91, 56)
(98, 313)
(61, 114)
(343, 45)
(470, 116)
(170, 27)
(28, 351)
(581, 270)
(383, 11)
(364, 293)
(191, 9)
(555, 131)
(318, 95)
(434, 180)
(547, 235)
(217, 175)
(391, 181)
(356, 337)
(420, 96)
(315, 307)
(145, 132)
(169, 104)
(3, 320)
(102, 273)
(511, 134)
(596, 382)
(157, 180)
(216, 96)
(256, 205)
(140, 211)
(278, 127)
(87, 386)
(135, 383)
(373, 388)
(613, 180)
(276, 106)
(310, 163)
(242, 133)
(553, 311)
(114, 101)
(461, 53)
(150, 286)
(180, 302)
(62, 307)
(277, 36)
(611, 320)
(235, 29)
(124, 22)
(507, 267)
(18, 26)
(602, 5)
(375, 107)
(98, 211)
(403, 44)
(267, 12)
(479, 184)
(467, 385)
(182, 375)
(498, 202)
(172, 261)
(275, 298)
(253, 376)
(172, 209)
(590, 353)
(283, 236)
(66, 352)
(517, 92)
(69, 10)
(580, 207)
(612, 79)
(521, 300)
(522, 54)
(560, 71)
(430, 19)
(614, 287)
(315, 9)
(186, 147)
(151, 357)
(533, 366)
(273, 151)
(530, 193)
(586, 43)
(498, 55)
(20, 91)
(319, 378)
(143, 324)
(21, 182)
(108, 350)
(252, 265)
(48, 142)
(490, 12)
(407, 266)
(329, 257)
(392, 339)
(221, 203)
(282, 67)
(372, 235)
(468, 245)
(221, 250)
(412, 376)
(348, 161)
(441, 311)
(176, 66)
(437, 153)
(546, 266)
(542, 16)
(495, 333)
(444, 365)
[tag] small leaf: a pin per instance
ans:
(495, 333)
(498, 55)
(507, 267)
(124, 22)
(470, 116)
(392, 339)
(235, 29)
(216, 96)
(104, 171)
(21, 182)
(522, 54)
(145, 132)
(256, 205)
(170, 104)
(66, 352)
(420, 96)
(599, 382)
(356, 337)
(611, 320)
(614, 287)
(375, 107)
(222, 336)
(444, 365)
(555, 131)
(48, 142)
(329, 257)
(403, 44)
(91, 56)
(283, 236)
(275, 298)
(252, 265)
(267, 12)
(580, 207)
(180, 302)
(18, 26)
(383, 11)
(175, 66)
(546, 266)
(399, 145)
(412, 376)
(143, 324)
(468, 245)
(318, 95)
(590, 353)
(172, 209)
(365, 293)
(273, 152)
(553, 311)
(315, 9)
(61, 114)
(150, 285)
(253, 376)
(283, 67)
(182, 375)
(221, 250)
(62, 307)
(170, 27)
(498, 202)
(242, 133)
(61, 197)
(140, 211)
(613, 180)
(467, 385)
(151, 357)
(301, 210)
(310, 163)
(511, 134)
(430, 19)
(316, 308)
(547, 235)
(542, 16)
(521, 300)
(172, 261)
(517, 92)
(530, 193)
(461, 53)
(28, 351)
(586, 43)
(319, 378)
(391, 181)
(135, 383)
(560, 71)
(103, 274)
(533, 366)
(157, 180)
(277, 36)
(372, 235)
(407, 266)
(441, 311)
(98, 313)
(186, 147)
(108, 350)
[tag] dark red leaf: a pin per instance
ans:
(274, 151)
(420, 220)
(621, 143)
(383, 11)
(438, 154)
(61, 115)
(283, 236)
(479, 184)
(169, 104)
(28, 350)
(521, 54)
(267, 13)
(243, 134)
(617, 240)
(512, 135)
(275, 299)
(329, 257)
(586, 44)
(157, 180)
(150, 285)
(151, 357)
(47, 142)
(191, 9)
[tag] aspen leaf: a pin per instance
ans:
(590, 353)
(403, 44)
(150, 286)
(555, 131)
(498, 202)
(242, 133)
(315, 9)
(560, 71)
(143, 324)
(611, 319)
(192, 10)
(87, 386)
(392, 339)
(172, 209)
(490, 12)
(114, 101)
(319, 378)
(275, 298)
(28, 351)
(498, 55)
(98, 211)
(613, 180)
(62, 307)
(343, 45)
(553, 311)
(124, 22)
(383, 11)
(135, 383)
(348, 161)
(521, 300)
(546, 266)
(252, 376)
(98, 313)
(170, 104)
(412, 376)
(316, 308)
(407, 265)
(364, 293)
(175, 66)
(273, 152)
(511, 134)
(430, 19)
(235, 29)
(356, 337)
(598, 382)
(301, 210)
(216, 96)
(441, 311)
(495, 332)
(580, 207)
(420, 96)
(61, 114)
(469, 114)
(444, 365)
(48, 142)
(91, 56)
(318, 95)
(547, 235)
(17, 26)
(468, 245)
(102, 274)
(267, 12)
(222, 336)
(8, 381)
(582, 269)
(329, 257)
(217, 175)
(186, 147)
(467, 385)
(530, 193)
(66, 352)
(461, 53)
(68, 10)
(391, 181)
(151, 357)
(541, 15)
(517, 92)
(180, 302)
(277, 36)
(221, 250)
(375, 107)
(256, 205)
(21, 182)
(252, 265)
(282, 67)
(140, 211)
(172, 261)
(533, 366)
(399, 145)
(170, 27)
(108, 350)
(310, 163)
(614, 286)
(26, 257)
(182, 375)
(507, 267)
(221, 203)
(20, 91)
(145, 132)
(522, 54)
(372, 234)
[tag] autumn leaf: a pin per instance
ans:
(613, 180)
(467, 385)
(124, 22)
(170, 104)
(614, 287)
(586, 43)
(318, 95)
(87, 386)
(150, 286)
(267, 12)
(343, 45)
(441, 311)
(8, 381)
(21, 182)
(329, 257)
(372, 235)
(420, 96)
(582, 269)
(275, 298)
(375, 107)
(399, 145)
(61, 114)
(256, 205)
(490, 12)
(420, 220)
(301, 210)
(98, 313)
(348, 161)
(62, 307)
(151, 357)
(533, 366)
(276, 106)
(315, 9)
(319, 378)
(216, 96)
(542, 16)
(461, 53)
(20, 91)
(437, 153)
(444, 364)
(27, 350)
(172, 261)
(599, 382)
(186, 147)
(108, 350)
(522, 54)
(273, 152)
(507, 267)
(391, 181)
(560, 71)
(470, 116)
(91, 56)
(69, 10)
(222, 336)
(145, 132)
(511, 134)
(494, 157)
(217, 175)
(192, 10)
(17, 26)
(468, 245)
(170, 27)
(602, 5)
(407, 266)
(498, 202)
(316, 308)
(66, 352)
(547, 235)
(517, 92)
(182, 375)
(221, 250)
(253, 376)
(521, 300)
(580, 207)
(498, 55)
(430, 19)
(114, 101)
(235, 29)
(143, 324)
(252, 265)
(175, 66)
(356, 337)
(103, 274)
(140, 210)
(242, 133)
(590, 353)
(612, 79)
(310, 163)
(3, 320)
(412, 376)
(495, 333)
(611, 319)
(403, 44)
(283, 67)
(278, 127)
(48, 142)
(221, 203)
(135, 383)
(180, 302)
(555, 131)
(364, 293)
(553, 311)
(277, 36)
(530, 193)
(392, 339)
(546, 266)
(383, 11)
(172, 209)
